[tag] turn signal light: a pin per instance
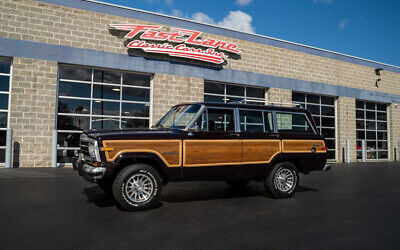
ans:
(95, 164)
(107, 149)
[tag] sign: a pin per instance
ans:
(177, 43)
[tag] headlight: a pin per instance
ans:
(94, 151)
(91, 151)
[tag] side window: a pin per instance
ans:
(268, 122)
(202, 122)
(220, 120)
(251, 121)
(293, 123)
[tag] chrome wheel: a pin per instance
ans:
(284, 180)
(139, 188)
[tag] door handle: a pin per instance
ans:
(237, 135)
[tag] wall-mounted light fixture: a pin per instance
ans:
(378, 74)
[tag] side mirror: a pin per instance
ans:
(193, 129)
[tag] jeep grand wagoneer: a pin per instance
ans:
(203, 141)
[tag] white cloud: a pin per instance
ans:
(177, 13)
(322, 1)
(244, 2)
(236, 20)
(342, 23)
(201, 17)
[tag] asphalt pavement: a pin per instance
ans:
(354, 206)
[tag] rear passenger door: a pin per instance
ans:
(260, 142)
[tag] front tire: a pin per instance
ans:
(282, 181)
(137, 187)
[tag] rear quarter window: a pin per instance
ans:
(293, 123)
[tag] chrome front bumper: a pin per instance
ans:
(89, 172)
(96, 171)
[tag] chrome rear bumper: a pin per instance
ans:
(326, 167)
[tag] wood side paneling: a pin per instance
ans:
(211, 152)
(259, 151)
(302, 146)
(170, 151)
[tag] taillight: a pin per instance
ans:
(324, 148)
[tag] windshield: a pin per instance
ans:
(179, 116)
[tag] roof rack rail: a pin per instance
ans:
(288, 104)
(282, 104)
(239, 102)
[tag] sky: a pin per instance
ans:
(368, 29)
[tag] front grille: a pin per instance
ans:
(84, 148)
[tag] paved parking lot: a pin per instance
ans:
(352, 207)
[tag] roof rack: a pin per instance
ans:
(283, 104)
(243, 101)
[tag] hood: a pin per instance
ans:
(135, 134)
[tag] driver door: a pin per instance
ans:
(215, 149)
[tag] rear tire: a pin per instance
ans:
(137, 187)
(238, 183)
(282, 181)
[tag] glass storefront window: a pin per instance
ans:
(322, 109)
(91, 98)
(221, 92)
(371, 125)
(5, 70)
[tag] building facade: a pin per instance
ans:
(71, 65)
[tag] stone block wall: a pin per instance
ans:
(169, 90)
(346, 127)
(32, 111)
(394, 130)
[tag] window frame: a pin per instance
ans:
(236, 129)
(92, 99)
(9, 75)
(320, 128)
(225, 96)
(364, 130)
(263, 111)
(255, 110)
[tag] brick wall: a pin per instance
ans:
(59, 25)
(346, 126)
(32, 111)
(169, 90)
(279, 95)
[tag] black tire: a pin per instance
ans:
(271, 182)
(119, 191)
(238, 183)
(106, 185)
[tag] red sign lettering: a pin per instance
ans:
(181, 36)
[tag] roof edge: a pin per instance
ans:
(238, 31)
